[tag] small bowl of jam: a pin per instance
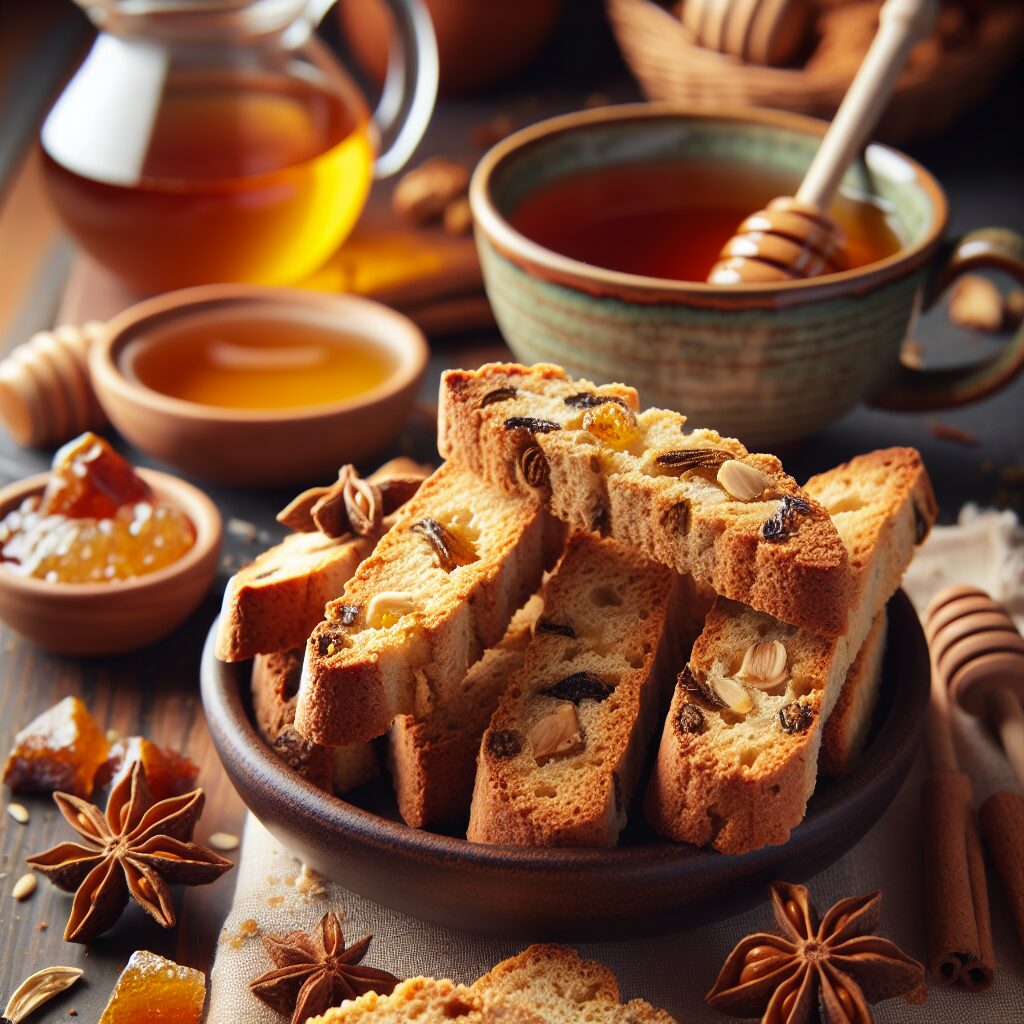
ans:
(258, 386)
(97, 557)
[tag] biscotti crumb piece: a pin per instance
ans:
(601, 465)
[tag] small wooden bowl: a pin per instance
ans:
(109, 618)
(256, 447)
(645, 886)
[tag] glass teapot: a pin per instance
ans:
(221, 140)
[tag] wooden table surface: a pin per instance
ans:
(154, 691)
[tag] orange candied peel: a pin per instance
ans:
(89, 480)
(152, 989)
(60, 750)
(167, 772)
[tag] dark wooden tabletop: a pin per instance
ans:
(154, 691)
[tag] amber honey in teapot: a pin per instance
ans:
(222, 141)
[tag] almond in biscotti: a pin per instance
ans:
(764, 665)
(557, 733)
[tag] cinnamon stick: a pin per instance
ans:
(1002, 824)
(960, 948)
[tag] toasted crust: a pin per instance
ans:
(740, 782)
(359, 674)
(542, 985)
(846, 729)
(275, 683)
(433, 757)
(687, 522)
(628, 623)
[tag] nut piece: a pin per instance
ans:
(19, 813)
(388, 607)
(742, 482)
(224, 841)
(24, 887)
(732, 694)
(557, 733)
(423, 193)
(976, 304)
(764, 665)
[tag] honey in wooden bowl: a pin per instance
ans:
(669, 219)
(254, 362)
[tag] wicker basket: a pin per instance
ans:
(669, 65)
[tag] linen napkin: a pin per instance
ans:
(275, 894)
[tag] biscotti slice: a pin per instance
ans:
(561, 758)
(545, 983)
(275, 602)
(439, 588)
(275, 683)
(696, 502)
(739, 749)
(433, 757)
(846, 730)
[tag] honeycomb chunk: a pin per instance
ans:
(152, 989)
(60, 750)
(89, 480)
(167, 772)
(612, 423)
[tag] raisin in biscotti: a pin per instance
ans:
(433, 757)
(739, 749)
(274, 603)
(846, 730)
(439, 588)
(544, 984)
(561, 758)
(697, 502)
(275, 684)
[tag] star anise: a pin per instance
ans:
(137, 847)
(315, 972)
(829, 971)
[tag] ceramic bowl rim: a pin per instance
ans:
(231, 724)
(199, 508)
(408, 343)
(510, 242)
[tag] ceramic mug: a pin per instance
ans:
(768, 363)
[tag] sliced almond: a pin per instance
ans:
(24, 887)
(18, 813)
(742, 482)
(557, 733)
(733, 695)
(764, 665)
(224, 841)
(388, 607)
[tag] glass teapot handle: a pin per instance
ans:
(410, 88)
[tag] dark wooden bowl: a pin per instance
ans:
(643, 887)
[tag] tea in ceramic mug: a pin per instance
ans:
(670, 218)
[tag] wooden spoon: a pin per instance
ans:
(793, 237)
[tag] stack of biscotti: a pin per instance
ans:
(272, 605)
(542, 985)
(563, 753)
(438, 590)
(739, 749)
(694, 501)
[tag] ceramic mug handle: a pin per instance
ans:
(927, 390)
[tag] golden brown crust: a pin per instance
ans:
(361, 669)
(743, 781)
(691, 525)
(846, 729)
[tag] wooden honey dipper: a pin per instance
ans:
(46, 394)
(767, 32)
(794, 237)
(978, 655)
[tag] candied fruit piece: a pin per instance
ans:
(89, 480)
(60, 750)
(167, 772)
(151, 989)
(612, 423)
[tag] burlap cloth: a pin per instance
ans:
(674, 972)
